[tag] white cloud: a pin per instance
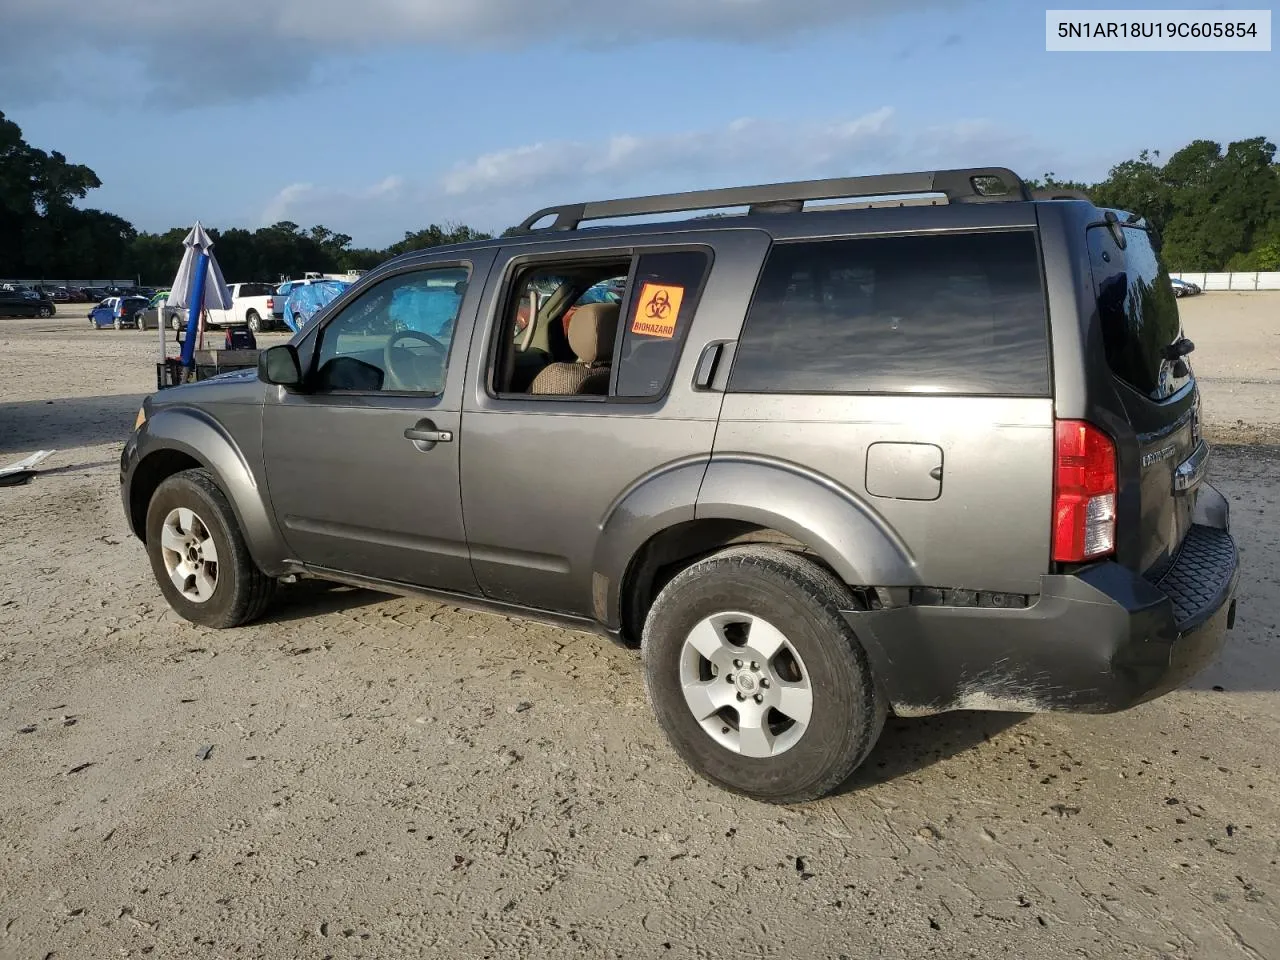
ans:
(295, 194)
(764, 148)
(497, 189)
(235, 49)
(358, 211)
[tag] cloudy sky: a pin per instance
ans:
(375, 117)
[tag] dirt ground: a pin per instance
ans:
(397, 778)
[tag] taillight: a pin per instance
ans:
(1084, 493)
(271, 303)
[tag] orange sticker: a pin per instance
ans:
(657, 310)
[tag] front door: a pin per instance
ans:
(362, 465)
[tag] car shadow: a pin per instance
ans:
(908, 745)
(77, 467)
(66, 422)
(307, 599)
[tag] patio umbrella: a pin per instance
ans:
(198, 286)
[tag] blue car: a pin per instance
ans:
(118, 312)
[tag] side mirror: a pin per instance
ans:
(280, 366)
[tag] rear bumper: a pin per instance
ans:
(1097, 641)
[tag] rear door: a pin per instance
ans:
(543, 469)
(1146, 352)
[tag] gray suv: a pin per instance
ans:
(818, 461)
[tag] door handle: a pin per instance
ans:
(425, 436)
(707, 366)
(422, 435)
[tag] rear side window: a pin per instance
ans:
(1138, 311)
(950, 313)
(664, 296)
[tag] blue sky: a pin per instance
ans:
(480, 111)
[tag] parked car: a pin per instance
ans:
(306, 300)
(1184, 288)
(118, 312)
(251, 306)
(15, 303)
(173, 317)
(818, 466)
(280, 296)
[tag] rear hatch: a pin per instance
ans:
(1149, 358)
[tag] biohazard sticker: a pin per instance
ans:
(657, 310)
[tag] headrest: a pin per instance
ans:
(592, 330)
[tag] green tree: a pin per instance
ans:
(1136, 186)
(436, 236)
(34, 187)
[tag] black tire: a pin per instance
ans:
(242, 591)
(803, 601)
(253, 321)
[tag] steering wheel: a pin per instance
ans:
(390, 352)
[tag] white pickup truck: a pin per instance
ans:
(250, 307)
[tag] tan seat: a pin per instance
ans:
(592, 331)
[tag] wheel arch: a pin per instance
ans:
(173, 440)
(663, 524)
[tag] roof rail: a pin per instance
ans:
(1060, 193)
(970, 185)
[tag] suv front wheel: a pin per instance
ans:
(199, 557)
(757, 680)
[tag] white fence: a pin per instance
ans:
(1232, 281)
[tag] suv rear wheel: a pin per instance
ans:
(757, 680)
(199, 557)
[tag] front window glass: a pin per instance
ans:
(395, 336)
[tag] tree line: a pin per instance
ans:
(1212, 209)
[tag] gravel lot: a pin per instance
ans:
(397, 778)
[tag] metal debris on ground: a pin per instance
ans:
(22, 471)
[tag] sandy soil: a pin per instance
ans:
(398, 778)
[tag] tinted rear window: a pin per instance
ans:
(255, 290)
(952, 313)
(1138, 311)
